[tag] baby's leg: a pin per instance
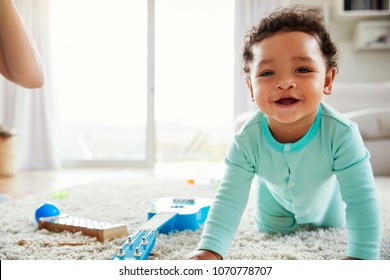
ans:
(334, 214)
(270, 216)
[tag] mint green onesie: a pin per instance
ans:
(324, 179)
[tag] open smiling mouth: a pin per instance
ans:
(287, 101)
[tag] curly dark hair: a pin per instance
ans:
(308, 20)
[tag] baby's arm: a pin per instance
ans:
(204, 255)
(19, 59)
(357, 187)
(229, 204)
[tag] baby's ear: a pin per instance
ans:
(329, 78)
(249, 84)
(327, 91)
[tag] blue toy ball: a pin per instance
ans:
(47, 209)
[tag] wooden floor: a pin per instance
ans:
(33, 182)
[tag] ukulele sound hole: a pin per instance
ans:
(181, 203)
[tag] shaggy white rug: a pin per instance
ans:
(127, 200)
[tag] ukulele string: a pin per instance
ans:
(166, 216)
(146, 233)
(132, 237)
(159, 219)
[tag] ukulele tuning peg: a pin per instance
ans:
(137, 252)
(144, 241)
(121, 253)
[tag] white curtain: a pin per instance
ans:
(247, 13)
(31, 112)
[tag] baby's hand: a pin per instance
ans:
(204, 255)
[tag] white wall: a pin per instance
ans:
(355, 65)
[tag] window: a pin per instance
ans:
(99, 54)
(194, 78)
(100, 74)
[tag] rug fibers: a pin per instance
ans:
(127, 201)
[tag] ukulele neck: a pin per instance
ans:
(158, 221)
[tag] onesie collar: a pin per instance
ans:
(296, 146)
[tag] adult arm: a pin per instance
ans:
(19, 58)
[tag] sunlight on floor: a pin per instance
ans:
(31, 182)
(190, 170)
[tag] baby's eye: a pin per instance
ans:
(302, 70)
(267, 73)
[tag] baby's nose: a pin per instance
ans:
(286, 83)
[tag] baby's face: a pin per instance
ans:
(288, 77)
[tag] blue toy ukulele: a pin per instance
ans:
(167, 215)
